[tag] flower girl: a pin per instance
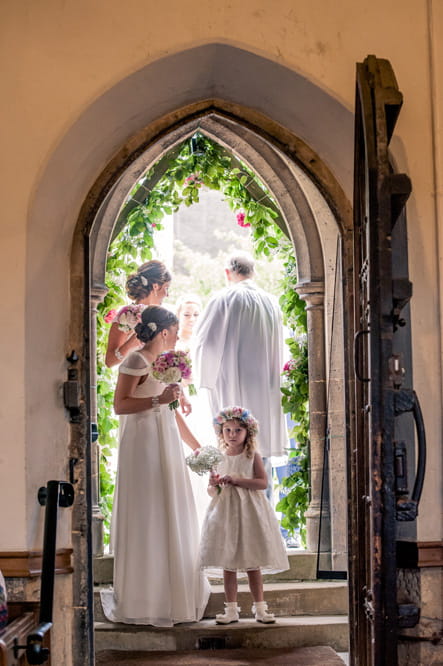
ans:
(240, 531)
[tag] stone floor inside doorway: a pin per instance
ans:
(303, 656)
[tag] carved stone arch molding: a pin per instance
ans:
(304, 210)
(264, 158)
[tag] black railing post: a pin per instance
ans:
(55, 494)
(48, 564)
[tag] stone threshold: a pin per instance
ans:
(285, 599)
(287, 632)
(306, 656)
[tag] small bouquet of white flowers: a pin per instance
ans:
(204, 460)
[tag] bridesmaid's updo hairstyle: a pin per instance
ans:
(140, 284)
(154, 320)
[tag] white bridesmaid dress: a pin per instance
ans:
(155, 534)
(241, 531)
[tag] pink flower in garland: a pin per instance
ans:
(241, 220)
(194, 178)
(110, 316)
(289, 366)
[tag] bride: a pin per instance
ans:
(154, 524)
(188, 310)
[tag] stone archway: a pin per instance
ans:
(314, 232)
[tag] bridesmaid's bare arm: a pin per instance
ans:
(185, 433)
(119, 342)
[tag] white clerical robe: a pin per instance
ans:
(238, 358)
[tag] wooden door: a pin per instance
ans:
(376, 504)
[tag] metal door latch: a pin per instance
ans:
(71, 390)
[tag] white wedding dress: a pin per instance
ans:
(155, 534)
(200, 424)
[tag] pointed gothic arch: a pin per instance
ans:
(308, 217)
(312, 229)
(266, 160)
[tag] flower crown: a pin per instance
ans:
(238, 413)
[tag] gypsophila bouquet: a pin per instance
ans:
(173, 366)
(204, 460)
(128, 317)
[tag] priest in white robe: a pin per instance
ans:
(239, 353)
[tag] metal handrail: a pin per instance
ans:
(55, 494)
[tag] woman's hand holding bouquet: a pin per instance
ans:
(172, 367)
(126, 320)
(170, 394)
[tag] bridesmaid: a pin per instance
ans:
(155, 536)
(148, 286)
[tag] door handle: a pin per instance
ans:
(406, 400)
(357, 356)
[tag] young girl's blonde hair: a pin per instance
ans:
(243, 417)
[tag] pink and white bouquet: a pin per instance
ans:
(127, 317)
(171, 367)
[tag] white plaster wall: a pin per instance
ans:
(77, 83)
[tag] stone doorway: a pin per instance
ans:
(318, 245)
(319, 221)
(319, 251)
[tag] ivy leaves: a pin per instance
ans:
(295, 401)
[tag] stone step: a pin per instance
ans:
(284, 599)
(302, 567)
(288, 599)
(318, 655)
(303, 631)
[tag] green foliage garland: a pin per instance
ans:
(180, 184)
(295, 402)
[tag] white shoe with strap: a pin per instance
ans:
(231, 613)
(260, 608)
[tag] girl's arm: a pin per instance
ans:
(185, 433)
(126, 403)
(259, 480)
(120, 342)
